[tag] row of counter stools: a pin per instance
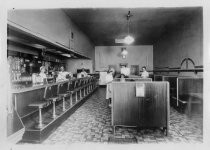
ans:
(60, 91)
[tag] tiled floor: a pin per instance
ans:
(92, 123)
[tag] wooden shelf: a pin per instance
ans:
(22, 35)
(179, 70)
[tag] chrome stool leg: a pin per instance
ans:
(40, 125)
(84, 92)
(76, 96)
(54, 115)
(64, 104)
(71, 99)
(80, 94)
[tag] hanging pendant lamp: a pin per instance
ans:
(128, 39)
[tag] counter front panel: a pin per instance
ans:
(150, 110)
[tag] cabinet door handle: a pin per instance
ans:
(148, 98)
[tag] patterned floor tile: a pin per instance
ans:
(92, 123)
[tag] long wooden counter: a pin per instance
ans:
(31, 87)
(30, 93)
(26, 95)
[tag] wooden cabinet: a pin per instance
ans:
(152, 110)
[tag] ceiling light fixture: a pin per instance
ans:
(124, 52)
(128, 39)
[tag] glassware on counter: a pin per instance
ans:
(36, 79)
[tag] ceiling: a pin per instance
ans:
(104, 25)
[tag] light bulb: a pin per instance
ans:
(124, 52)
(128, 39)
(124, 56)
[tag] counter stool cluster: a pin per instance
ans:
(60, 91)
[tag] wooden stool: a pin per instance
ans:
(40, 105)
(85, 84)
(79, 88)
(51, 94)
(62, 92)
(71, 91)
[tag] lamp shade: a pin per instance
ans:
(128, 39)
(124, 53)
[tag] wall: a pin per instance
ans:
(55, 25)
(171, 49)
(74, 64)
(141, 55)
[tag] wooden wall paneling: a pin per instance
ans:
(14, 123)
(54, 90)
(190, 91)
(124, 100)
(152, 107)
(173, 85)
(63, 88)
(26, 98)
(158, 78)
(190, 85)
(149, 111)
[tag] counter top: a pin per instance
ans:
(30, 87)
(94, 73)
(130, 76)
